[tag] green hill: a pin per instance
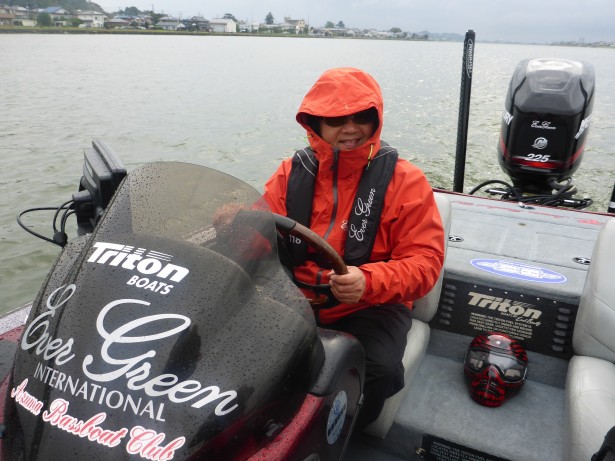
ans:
(69, 5)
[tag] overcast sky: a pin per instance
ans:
(540, 21)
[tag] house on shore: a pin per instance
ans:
(59, 16)
(169, 23)
(223, 25)
(91, 18)
(197, 23)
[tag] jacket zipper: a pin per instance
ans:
(336, 153)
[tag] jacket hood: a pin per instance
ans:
(338, 92)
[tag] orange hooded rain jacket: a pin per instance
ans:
(408, 252)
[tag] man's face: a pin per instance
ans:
(348, 132)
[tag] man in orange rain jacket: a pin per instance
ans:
(375, 209)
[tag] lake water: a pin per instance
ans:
(229, 103)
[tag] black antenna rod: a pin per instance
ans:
(464, 110)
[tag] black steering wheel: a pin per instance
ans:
(290, 226)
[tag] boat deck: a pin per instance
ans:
(509, 268)
(528, 427)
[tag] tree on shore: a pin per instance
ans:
(69, 5)
(131, 11)
(43, 19)
(156, 17)
(340, 25)
(269, 19)
(329, 25)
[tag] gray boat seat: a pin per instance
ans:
(590, 382)
(418, 337)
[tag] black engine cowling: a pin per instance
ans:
(545, 122)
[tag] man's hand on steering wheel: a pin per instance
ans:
(324, 291)
(348, 288)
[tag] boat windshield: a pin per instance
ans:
(187, 204)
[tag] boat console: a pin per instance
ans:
(516, 269)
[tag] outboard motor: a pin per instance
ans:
(545, 122)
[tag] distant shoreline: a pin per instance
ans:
(100, 31)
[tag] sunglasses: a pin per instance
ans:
(360, 118)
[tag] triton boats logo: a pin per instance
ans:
(141, 260)
(506, 307)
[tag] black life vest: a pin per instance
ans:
(364, 220)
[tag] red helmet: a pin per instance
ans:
(496, 366)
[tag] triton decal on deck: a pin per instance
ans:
(507, 307)
(518, 270)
